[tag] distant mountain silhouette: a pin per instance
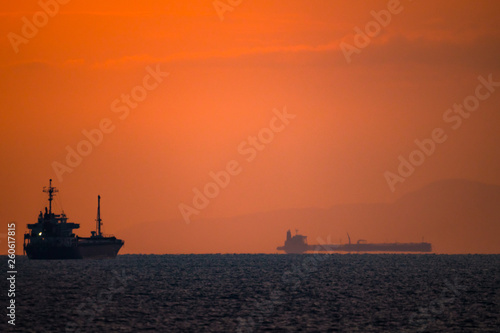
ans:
(456, 216)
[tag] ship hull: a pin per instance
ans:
(299, 247)
(372, 247)
(293, 249)
(387, 247)
(86, 249)
(52, 252)
(101, 249)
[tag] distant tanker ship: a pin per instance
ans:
(52, 237)
(298, 244)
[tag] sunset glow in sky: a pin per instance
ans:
(171, 93)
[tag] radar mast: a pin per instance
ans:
(98, 220)
(51, 191)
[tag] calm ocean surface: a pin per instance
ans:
(252, 293)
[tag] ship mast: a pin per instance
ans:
(98, 219)
(50, 190)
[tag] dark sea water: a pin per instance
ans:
(254, 293)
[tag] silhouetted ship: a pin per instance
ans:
(298, 244)
(52, 237)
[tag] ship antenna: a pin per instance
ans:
(98, 219)
(50, 190)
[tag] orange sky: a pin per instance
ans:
(225, 79)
